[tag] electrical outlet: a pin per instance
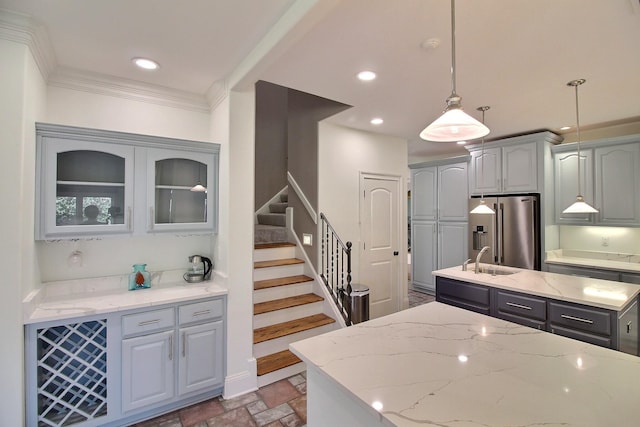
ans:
(605, 240)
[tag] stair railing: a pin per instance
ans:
(336, 268)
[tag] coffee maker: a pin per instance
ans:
(200, 270)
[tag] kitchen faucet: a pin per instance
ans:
(482, 251)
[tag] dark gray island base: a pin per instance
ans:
(605, 313)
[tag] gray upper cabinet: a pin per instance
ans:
(452, 192)
(95, 183)
(424, 194)
(566, 185)
(511, 165)
(618, 184)
(610, 181)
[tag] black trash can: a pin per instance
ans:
(359, 303)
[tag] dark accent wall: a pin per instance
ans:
(287, 140)
(271, 141)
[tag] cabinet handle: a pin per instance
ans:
(629, 327)
(201, 312)
(577, 319)
(513, 304)
(151, 219)
(184, 345)
(170, 347)
(129, 218)
(148, 322)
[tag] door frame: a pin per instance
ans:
(403, 301)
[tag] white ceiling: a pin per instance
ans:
(513, 55)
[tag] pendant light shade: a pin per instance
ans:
(199, 188)
(579, 206)
(482, 208)
(454, 124)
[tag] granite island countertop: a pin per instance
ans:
(582, 290)
(441, 365)
(83, 297)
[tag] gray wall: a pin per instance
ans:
(271, 141)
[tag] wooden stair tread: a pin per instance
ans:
(273, 245)
(291, 327)
(280, 304)
(275, 361)
(280, 281)
(277, 262)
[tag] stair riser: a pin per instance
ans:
(285, 315)
(278, 344)
(276, 219)
(274, 253)
(270, 294)
(279, 271)
(281, 374)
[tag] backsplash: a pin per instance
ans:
(619, 240)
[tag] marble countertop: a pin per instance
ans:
(582, 290)
(626, 263)
(440, 365)
(83, 297)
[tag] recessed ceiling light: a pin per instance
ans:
(461, 142)
(366, 75)
(565, 128)
(377, 121)
(145, 63)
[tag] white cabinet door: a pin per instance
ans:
(147, 370)
(423, 254)
(618, 184)
(566, 185)
(485, 178)
(453, 194)
(75, 176)
(201, 357)
(452, 244)
(172, 203)
(424, 194)
(520, 168)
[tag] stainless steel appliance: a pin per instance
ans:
(512, 233)
(200, 270)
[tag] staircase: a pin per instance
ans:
(285, 310)
(271, 227)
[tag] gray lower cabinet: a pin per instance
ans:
(602, 327)
(120, 368)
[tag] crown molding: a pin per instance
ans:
(103, 84)
(217, 93)
(20, 28)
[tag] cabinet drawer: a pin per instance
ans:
(462, 294)
(149, 321)
(521, 305)
(199, 311)
(580, 318)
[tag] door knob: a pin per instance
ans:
(395, 253)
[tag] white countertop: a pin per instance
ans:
(76, 298)
(629, 263)
(582, 290)
(410, 362)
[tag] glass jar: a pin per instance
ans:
(139, 278)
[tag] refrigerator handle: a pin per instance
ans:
(536, 233)
(501, 246)
(496, 249)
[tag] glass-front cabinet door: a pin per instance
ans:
(181, 191)
(87, 188)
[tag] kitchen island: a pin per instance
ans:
(444, 366)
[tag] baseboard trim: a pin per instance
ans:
(241, 383)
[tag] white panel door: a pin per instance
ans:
(423, 254)
(380, 231)
(147, 370)
(200, 357)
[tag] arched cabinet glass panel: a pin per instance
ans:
(182, 184)
(86, 189)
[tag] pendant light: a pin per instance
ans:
(454, 124)
(199, 188)
(482, 208)
(579, 206)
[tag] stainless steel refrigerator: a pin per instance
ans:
(512, 233)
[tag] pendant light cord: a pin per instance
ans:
(578, 136)
(483, 109)
(453, 48)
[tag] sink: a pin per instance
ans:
(497, 272)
